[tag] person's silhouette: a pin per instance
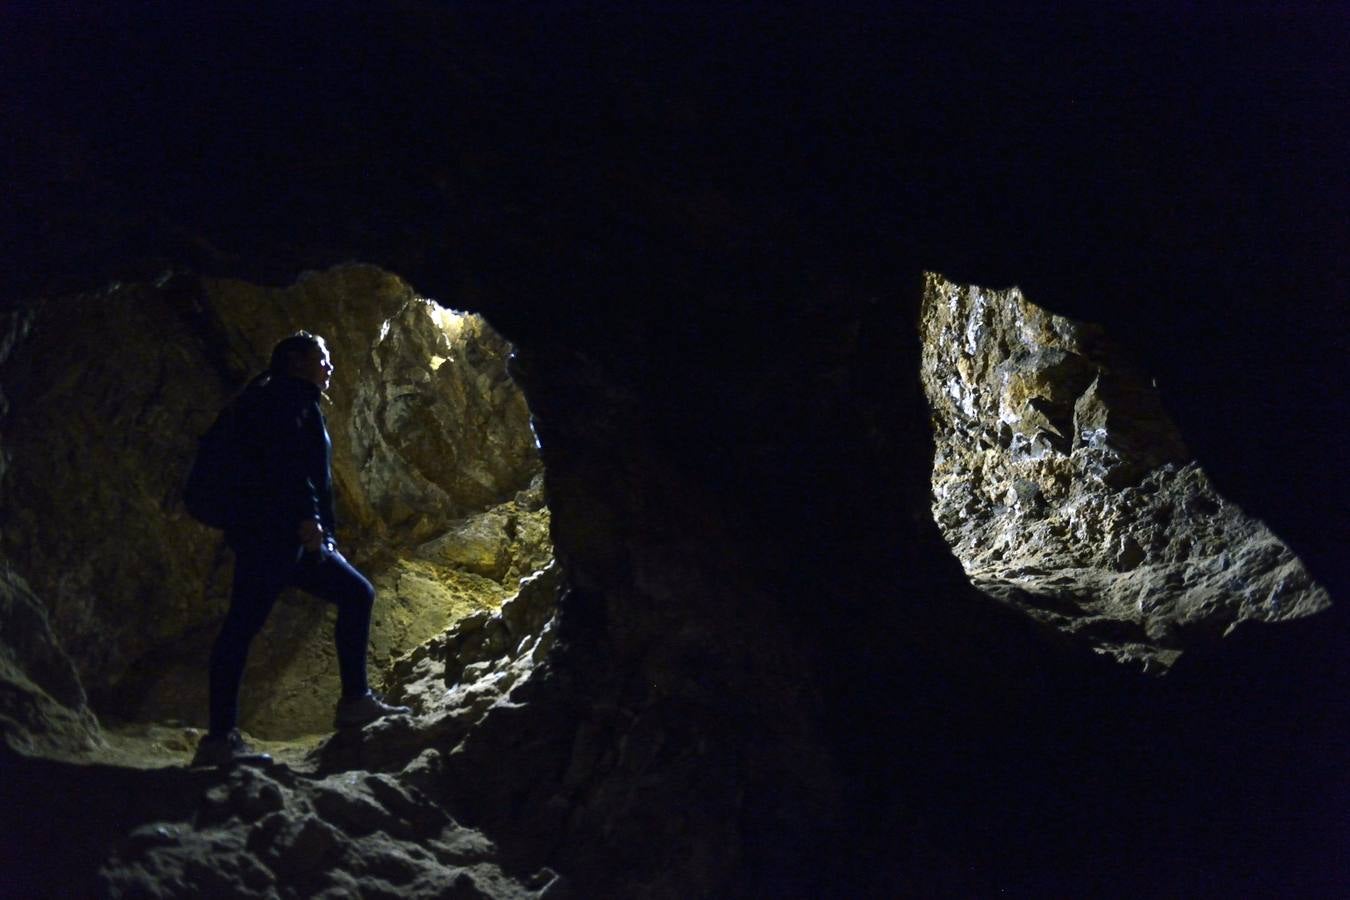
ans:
(283, 535)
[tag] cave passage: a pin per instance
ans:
(1066, 491)
(437, 479)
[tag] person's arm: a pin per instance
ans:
(313, 535)
(294, 502)
(324, 488)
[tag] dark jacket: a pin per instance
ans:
(289, 455)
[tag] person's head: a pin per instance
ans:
(302, 355)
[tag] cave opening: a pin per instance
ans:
(438, 485)
(1066, 491)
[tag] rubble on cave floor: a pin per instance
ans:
(156, 745)
(353, 813)
(267, 831)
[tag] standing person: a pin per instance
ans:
(282, 535)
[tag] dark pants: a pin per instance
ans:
(260, 575)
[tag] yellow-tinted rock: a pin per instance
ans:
(107, 393)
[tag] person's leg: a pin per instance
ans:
(260, 573)
(330, 577)
(334, 579)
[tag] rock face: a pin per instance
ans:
(42, 703)
(765, 673)
(476, 662)
(705, 237)
(108, 392)
(1067, 492)
(453, 683)
(270, 833)
(762, 652)
(437, 430)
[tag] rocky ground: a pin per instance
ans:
(331, 815)
(442, 500)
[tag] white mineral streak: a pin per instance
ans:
(1066, 491)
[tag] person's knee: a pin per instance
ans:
(358, 593)
(341, 584)
(364, 595)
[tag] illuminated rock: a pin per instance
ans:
(1066, 491)
(260, 831)
(108, 391)
(483, 656)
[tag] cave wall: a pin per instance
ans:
(705, 238)
(43, 706)
(1066, 490)
(108, 391)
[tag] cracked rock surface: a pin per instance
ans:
(268, 832)
(364, 813)
(381, 793)
(1066, 491)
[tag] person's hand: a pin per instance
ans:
(311, 535)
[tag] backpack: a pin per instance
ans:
(215, 483)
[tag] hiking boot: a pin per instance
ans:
(226, 750)
(365, 709)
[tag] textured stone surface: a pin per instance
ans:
(673, 717)
(452, 681)
(366, 811)
(42, 703)
(1066, 491)
(733, 695)
(480, 659)
(108, 392)
(706, 235)
(436, 428)
(267, 832)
